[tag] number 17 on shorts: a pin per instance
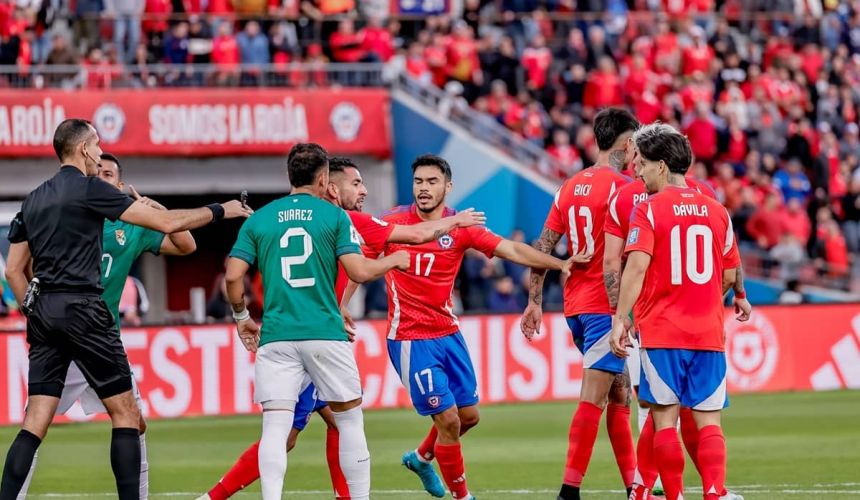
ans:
(437, 373)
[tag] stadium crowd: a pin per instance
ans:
(765, 90)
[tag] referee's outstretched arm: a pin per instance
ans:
(174, 221)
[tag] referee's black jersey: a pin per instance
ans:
(62, 222)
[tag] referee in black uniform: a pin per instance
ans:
(61, 221)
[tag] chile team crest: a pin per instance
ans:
(120, 236)
(446, 242)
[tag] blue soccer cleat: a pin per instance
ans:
(425, 472)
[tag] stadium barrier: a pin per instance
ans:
(201, 122)
(203, 370)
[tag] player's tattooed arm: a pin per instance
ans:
(738, 287)
(729, 279)
(547, 241)
(433, 230)
(612, 266)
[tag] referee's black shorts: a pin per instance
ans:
(66, 327)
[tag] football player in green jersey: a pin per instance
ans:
(122, 244)
(297, 243)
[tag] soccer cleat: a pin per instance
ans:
(204, 496)
(731, 496)
(426, 473)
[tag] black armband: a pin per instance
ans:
(17, 229)
(217, 211)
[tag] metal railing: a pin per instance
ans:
(807, 271)
(480, 125)
(301, 75)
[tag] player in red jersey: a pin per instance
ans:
(347, 190)
(681, 260)
(578, 212)
(424, 340)
(617, 224)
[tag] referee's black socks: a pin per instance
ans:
(125, 462)
(18, 462)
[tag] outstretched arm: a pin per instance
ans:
(547, 241)
(361, 269)
(174, 221)
(433, 230)
(179, 244)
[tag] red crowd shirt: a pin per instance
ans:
(579, 212)
(537, 62)
(690, 239)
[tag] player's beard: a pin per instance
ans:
(430, 209)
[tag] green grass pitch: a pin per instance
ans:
(797, 446)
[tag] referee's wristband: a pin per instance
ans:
(217, 211)
(741, 295)
(241, 316)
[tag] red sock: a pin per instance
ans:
(645, 464)
(670, 462)
(621, 437)
(690, 435)
(712, 458)
(583, 433)
(244, 472)
(425, 449)
(332, 455)
(450, 459)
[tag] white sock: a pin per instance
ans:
(273, 452)
(353, 452)
(26, 486)
(642, 416)
(144, 469)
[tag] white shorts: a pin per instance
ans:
(76, 388)
(282, 370)
(634, 363)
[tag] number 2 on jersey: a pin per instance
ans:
(287, 263)
(588, 228)
(694, 232)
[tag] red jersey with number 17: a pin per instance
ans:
(625, 200)
(579, 211)
(374, 233)
(419, 299)
(690, 239)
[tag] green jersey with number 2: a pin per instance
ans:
(122, 244)
(295, 242)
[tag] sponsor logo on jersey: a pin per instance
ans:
(346, 121)
(109, 120)
(634, 236)
(120, 236)
(752, 350)
(446, 241)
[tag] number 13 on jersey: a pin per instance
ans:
(587, 227)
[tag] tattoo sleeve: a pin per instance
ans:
(547, 241)
(739, 280)
(612, 282)
(238, 306)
